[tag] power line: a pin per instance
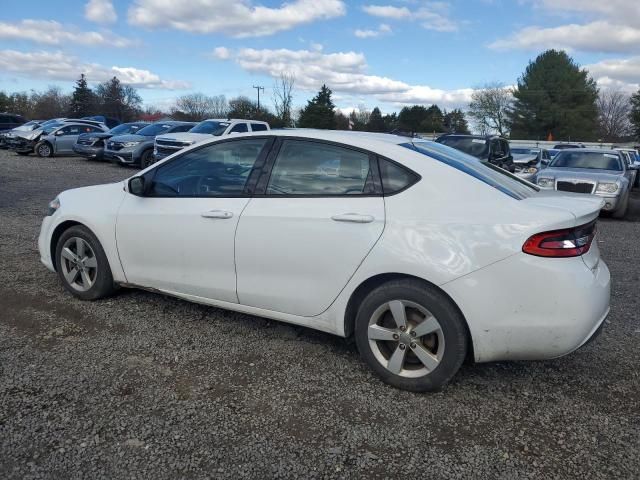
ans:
(258, 88)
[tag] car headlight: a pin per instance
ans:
(607, 188)
(54, 205)
(129, 144)
(532, 170)
(545, 182)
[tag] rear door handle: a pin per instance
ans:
(217, 214)
(353, 218)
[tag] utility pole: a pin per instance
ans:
(258, 88)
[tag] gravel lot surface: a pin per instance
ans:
(146, 386)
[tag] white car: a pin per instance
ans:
(417, 250)
(166, 145)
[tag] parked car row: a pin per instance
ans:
(608, 174)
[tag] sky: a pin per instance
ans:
(386, 53)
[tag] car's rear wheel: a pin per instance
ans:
(82, 264)
(44, 149)
(411, 335)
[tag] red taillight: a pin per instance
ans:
(571, 242)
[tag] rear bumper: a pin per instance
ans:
(532, 308)
(88, 151)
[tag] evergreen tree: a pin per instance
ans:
(555, 99)
(376, 122)
(634, 116)
(319, 112)
(410, 118)
(455, 122)
(83, 100)
(118, 101)
(434, 121)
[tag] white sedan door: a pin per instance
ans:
(299, 243)
(179, 237)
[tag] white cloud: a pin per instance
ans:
(239, 18)
(343, 72)
(58, 66)
(618, 74)
(50, 32)
(431, 15)
(100, 11)
(593, 37)
(597, 26)
(383, 29)
(221, 53)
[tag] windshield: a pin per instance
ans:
(47, 129)
(485, 172)
(525, 151)
(476, 147)
(125, 128)
(154, 129)
(591, 160)
(210, 127)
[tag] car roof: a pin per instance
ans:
(173, 122)
(232, 120)
(590, 150)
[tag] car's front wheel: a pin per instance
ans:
(411, 335)
(44, 149)
(146, 159)
(82, 264)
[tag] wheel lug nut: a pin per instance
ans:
(413, 334)
(403, 328)
(396, 336)
(413, 345)
(402, 346)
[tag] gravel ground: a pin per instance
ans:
(146, 386)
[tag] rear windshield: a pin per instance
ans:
(590, 160)
(476, 147)
(485, 172)
(210, 127)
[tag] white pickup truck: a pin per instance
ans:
(166, 145)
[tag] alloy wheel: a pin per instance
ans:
(406, 338)
(44, 150)
(79, 264)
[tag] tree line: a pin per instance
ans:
(554, 99)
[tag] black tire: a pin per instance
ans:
(452, 335)
(621, 211)
(103, 284)
(146, 159)
(44, 149)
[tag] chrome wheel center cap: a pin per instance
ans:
(405, 338)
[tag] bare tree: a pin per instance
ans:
(198, 106)
(614, 108)
(283, 97)
(489, 108)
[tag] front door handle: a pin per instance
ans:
(353, 218)
(217, 214)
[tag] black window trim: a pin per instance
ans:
(249, 185)
(265, 174)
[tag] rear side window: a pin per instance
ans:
(258, 127)
(309, 168)
(395, 178)
(492, 176)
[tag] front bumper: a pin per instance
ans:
(44, 242)
(119, 156)
(610, 203)
(89, 151)
(20, 144)
(532, 308)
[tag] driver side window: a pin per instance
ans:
(218, 170)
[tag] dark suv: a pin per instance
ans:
(490, 148)
(9, 121)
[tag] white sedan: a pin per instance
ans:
(419, 252)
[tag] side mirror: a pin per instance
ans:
(59, 133)
(137, 186)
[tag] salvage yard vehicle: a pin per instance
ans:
(25, 127)
(137, 148)
(597, 172)
(528, 161)
(166, 145)
(24, 143)
(329, 230)
(492, 149)
(91, 145)
(60, 139)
